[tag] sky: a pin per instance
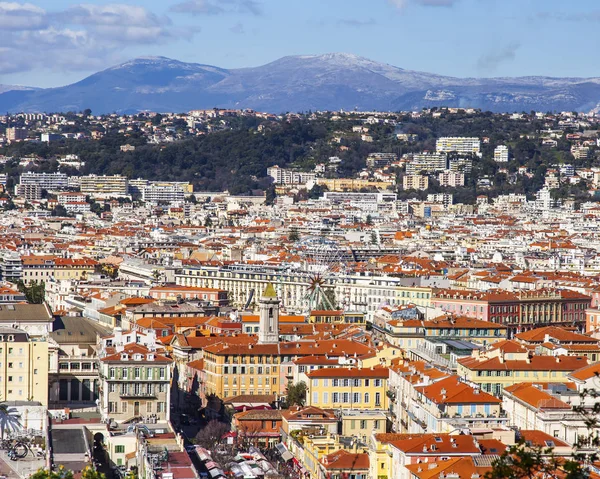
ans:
(49, 43)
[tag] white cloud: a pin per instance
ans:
(217, 7)
(401, 4)
(21, 16)
(81, 37)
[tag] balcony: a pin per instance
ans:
(138, 395)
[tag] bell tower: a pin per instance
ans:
(268, 331)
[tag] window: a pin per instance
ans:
(335, 397)
(124, 406)
(336, 383)
(119, 449)
(363, 424)
(356, 397)
(357, 383)
(377, 399)
(367, 398)
(148, 406)
(346, 397)
(315, 398)
(378, 383)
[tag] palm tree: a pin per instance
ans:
(9, 419)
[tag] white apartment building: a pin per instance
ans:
(501, 154)
(70, 197)
(445, 199)
(457, 144)
(285, 176)
(378, 160)
(451, 179)
(167, 193)
(29, 192)
(460, 164)
(427, 162)
(580, 152)
(104, 186)
(78, 207)
(48, 181)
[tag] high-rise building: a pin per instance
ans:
(48, 181)
(427, 162)
(16, 134)
(415, 182)
(378, 160)
(104, 186)
(451, 178)
(167, 193)
(501, 154)
(461, 145)
(285, 176)
(29, 192)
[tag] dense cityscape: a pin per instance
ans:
(352, 295)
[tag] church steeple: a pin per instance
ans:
(268, 331)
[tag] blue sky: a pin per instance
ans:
(54, 42)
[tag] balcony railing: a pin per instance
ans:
(134, 395)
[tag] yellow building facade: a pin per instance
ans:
(348, 388)
(23, 367)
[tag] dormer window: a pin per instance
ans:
(150, 357)
(124, 357)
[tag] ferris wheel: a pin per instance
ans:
(323, 260)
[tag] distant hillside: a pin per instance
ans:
(298, 83)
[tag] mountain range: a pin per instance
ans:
(297, 83)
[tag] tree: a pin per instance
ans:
(208, 222)
(296, 394)
(59, 210)
(9, 419)
(60, 473)
(369, 220)
(270, 195)
(156, 275)
(35, 292)
(211, 435)
(294, 236)
(374, 238)
(90, 473)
